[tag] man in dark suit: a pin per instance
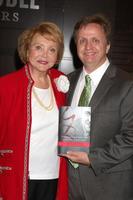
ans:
(106, 173)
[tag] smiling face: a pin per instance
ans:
(92, 46)
(42, 54)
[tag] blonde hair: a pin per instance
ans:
(47, 29)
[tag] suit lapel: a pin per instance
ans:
(103, 87)
(73, 81)
(105, 84)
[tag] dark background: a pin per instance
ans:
(17, 15)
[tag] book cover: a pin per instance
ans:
(74, 129)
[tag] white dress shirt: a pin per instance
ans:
(95, 76)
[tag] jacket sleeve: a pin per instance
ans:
(117, 153)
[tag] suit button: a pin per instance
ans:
(102, 170)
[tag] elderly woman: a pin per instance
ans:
(29, 103)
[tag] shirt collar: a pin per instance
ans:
(97, 74)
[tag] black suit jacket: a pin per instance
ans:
(111, 136)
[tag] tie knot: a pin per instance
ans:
(87, 80)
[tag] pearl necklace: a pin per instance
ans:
(51, 104)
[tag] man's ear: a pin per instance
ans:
(107, 48)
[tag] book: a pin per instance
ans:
(74, 129)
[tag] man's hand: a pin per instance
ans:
(78, 157)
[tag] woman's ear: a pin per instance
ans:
(27, 55)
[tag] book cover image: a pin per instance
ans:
(74, 129)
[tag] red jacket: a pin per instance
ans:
(15, 126)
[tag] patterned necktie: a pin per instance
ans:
(85, 95)
(84, 101)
